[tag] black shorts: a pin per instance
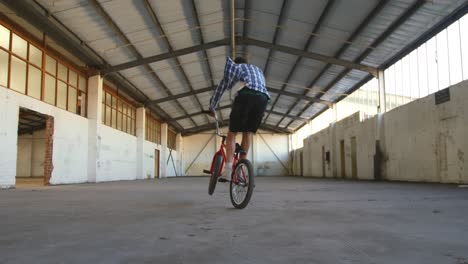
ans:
(247, 111)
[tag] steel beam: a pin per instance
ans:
(245, 24)
(207, 89)
(275, 36)
(181, 95)
(165, 56)
(62, 35)
(343, 48)
(232, 11)
(243, 41)
(202, 40)
(390, 29)
(229, 106)
(315, 30)
(111, 23)
(310, 55)
(211, 126)
(161, 31)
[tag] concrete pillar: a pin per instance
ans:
(164, 151)
(140, 134)
(379, 163)
(253, 150)
(94, 118)
(333, 144)
(382, 108)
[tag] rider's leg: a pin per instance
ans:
(230, 147)
(246, 139)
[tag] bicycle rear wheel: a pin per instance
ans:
(218, 161)
(241, 190)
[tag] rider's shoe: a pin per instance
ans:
(226, 175)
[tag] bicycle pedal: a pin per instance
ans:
(222, 180)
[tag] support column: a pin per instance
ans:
(333, 146)
(164, 152)
(379, 134)
(94, 118)
(140, 134)
(253, 150)
(178, 161)
(382, 108)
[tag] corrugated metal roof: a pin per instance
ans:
(178, 19)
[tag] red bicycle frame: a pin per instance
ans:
(221, 152)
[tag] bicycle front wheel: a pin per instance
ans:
(242, 184)
(218, 161)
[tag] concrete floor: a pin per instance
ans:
(290, 220)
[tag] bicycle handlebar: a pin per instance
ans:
(215, 115)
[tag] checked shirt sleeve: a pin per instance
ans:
(230, 78)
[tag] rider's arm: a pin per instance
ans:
(230, 78)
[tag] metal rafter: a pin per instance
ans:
(207, 89)
(211, 126)
(229, 106)
(202, 40)
(310, 55)
(232, 12)
(244, 27)
(242, 41)
(161, 31)
(280, 21)
(351, 38)
(49, 24)
(100, 10)
(317, 26)
(164, 56)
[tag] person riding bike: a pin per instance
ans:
(248, 108)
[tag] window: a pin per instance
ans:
(117, 112)
(18, 75)
(4, 58)
(21, 69)
(171, 139)
(153, 129)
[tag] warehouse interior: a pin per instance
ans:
(360, 156)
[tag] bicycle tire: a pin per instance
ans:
(250, 185)
(215, 173)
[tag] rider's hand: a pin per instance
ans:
(211, 113)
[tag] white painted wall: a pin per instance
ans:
(422, 142)
(116, 155)
(264, 161)
(70, 139)
(31, 154)
(428, 142)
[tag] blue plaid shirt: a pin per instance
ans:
(250, 74)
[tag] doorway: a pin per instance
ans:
(342, 156)
(353, 158)
(34, 148)
(156, 163)
(324, 159)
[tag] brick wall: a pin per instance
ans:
(49, 137)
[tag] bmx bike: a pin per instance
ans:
(242, 178)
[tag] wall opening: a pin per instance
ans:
(34, 158)
(324, 160)
(342, 159)
(353, 158)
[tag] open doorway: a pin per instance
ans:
(156, 163)
(342, 159)
(34, 148)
